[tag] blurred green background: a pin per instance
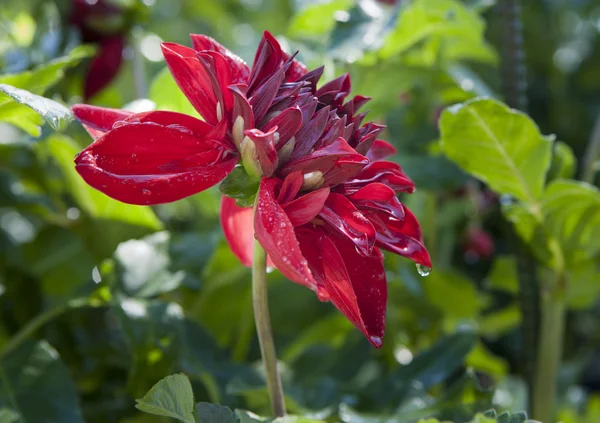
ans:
(99, 300)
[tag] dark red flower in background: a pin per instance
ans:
(102, 23)
(327, 198)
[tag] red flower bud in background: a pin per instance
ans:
(326, 201)
(102, 23)
(478, 244)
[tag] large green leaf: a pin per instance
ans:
(316, 20)
(170, 397)
(500, 146)
(453, 294)
(165, 93)
(62, 149)
(215, 413)
(37, 385)
(57, 115)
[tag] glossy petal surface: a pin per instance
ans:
(98, 120)
(239, 69)
(238, 229)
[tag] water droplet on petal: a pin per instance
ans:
(376, 341)
(323, 294)
(423, 270)
(146, 192)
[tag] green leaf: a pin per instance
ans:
(215, 413)
(316, 19)
(481, 359)
(503, 275)
(500, 322)
(241, 186)
(170, 397)
(453, 294)
(57, 115)
(165, 93)
(500, 146)
(9, 416)
(144, 266)
(62, 149)
(563, 162)
(36, 384)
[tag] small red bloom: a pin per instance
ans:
(327, 201)
(478, 244)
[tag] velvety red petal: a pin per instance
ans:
(310, 133)
(238, 229)
(287, 123)
(306, 207)
(98, 120)
(296, 69)
(266, 61)
(341, 216)
(378, 197)
(276, 234)
(290, 187)
(355, 285)
(191, 77)
(218, 71)
(105, 66)
(380, 150)
(239, 69)
(148, 163)
(262, 98)
(401, 237)
(387, 173)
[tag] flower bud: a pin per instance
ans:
(250, 158)
(285, 152)
(313, 180)
(238, 130)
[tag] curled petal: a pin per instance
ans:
(148, 163)
(306, 207)
(263, 97)
(193, 80)
(387, 173)
(287, 122)
(104, 66)
(276, 234)
(266, 62)
(341, 215)
(218, 71)
(239, 68)
(290, 187)
(378, 197)
(335, 91)
(264, 144)
(238, 229)
(98, 120)
(356, 285)
(401, 237)
(380, 150)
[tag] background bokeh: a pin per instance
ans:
(100, 300)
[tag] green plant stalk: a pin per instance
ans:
(260, 302)
(549, 355)
(38, 322)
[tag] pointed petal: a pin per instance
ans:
(238, 229)
(401, 237)
(387, 173)
(217, 69)
(262, 98)
(306, 207)
(105, 66)
(192, 79)
(355, 285)
(380, 150)
(296, 70)
(239, 69)
(266, 62)
(380, 198)
(290, 187)
(98, 120)
(287, 123)
(310, 133)
(148, 163)
(342, 217)
(276, 234)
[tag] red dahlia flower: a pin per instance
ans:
(326, 199)
(101, 23)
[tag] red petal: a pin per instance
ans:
(287, 123)
(239, 68)
(344, 218)
(238, 229)
(310, 133)
(148, 163)
(401, 237)
(290, 187)
(296, 70)
(104, 66)
(378, 197)
(387, 173)
(262, 98)
(265, 148)
(266, 62)
(305, 208)
(380, 150)
(192, 78)
(356, 285)
(98, 120)
(217, 69)
(276, 234)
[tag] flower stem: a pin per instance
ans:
(549, 355)
(263, 328)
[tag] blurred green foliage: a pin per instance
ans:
(100, 300)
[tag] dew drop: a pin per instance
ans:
(146, 192)
(376, 341)
(323, 294)
(423, 270)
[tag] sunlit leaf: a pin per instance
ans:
(170, 397)
(215, 413)
(316, 19)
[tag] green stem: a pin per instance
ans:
(549, 356)
(38, 322)
(263, 328)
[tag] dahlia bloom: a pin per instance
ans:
(101, 23)
(325, 197)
